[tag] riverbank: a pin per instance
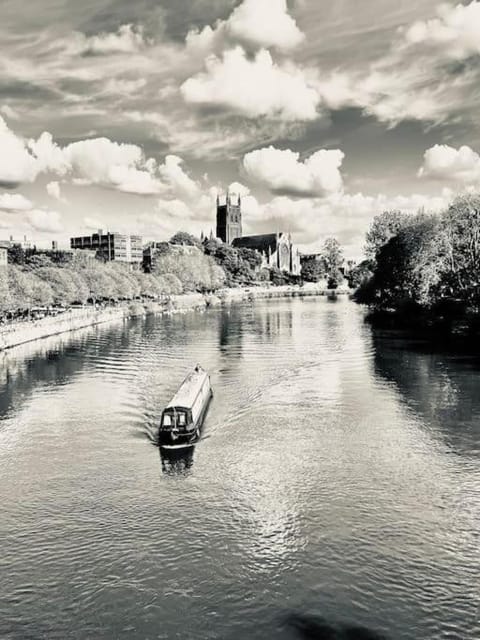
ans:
(21, 332)
(447, 326)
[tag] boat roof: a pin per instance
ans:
(188, 390)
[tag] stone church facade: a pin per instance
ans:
(277, 249)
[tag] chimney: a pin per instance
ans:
(11, 238)
(54, 245)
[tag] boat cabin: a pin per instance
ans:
(182, 418)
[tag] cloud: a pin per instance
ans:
(46, 221)
(111, 164)
(427, 74)
(342, 215)
(97, 161)
(442, 162)
(9, 112)
(281, 171)
(17, 164)
(14, 202)
(53, 190)
(128, 39)
(171, 171)
(253, 87)
(254, 23)
(93, 223)
(264, 23)
(456, 30)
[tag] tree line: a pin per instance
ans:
(424, 265)
(43, 279)
(60, 279)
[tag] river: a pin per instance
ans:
(338, 477)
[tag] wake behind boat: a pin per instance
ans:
(183, 417)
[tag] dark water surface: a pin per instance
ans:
(338, 476)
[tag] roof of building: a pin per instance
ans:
(261, 243)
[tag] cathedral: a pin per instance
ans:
(277, 249)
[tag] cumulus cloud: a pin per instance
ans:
(342, 215)
(14, 202)
(121, 166)
(253, 23)
(172, 172)
(456, 30)
(265, 23)
(98, 161)
(253, 87)
(281, 171)
(442, 162)
(45, 221)
(17, 164)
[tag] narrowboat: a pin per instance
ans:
(183, 417)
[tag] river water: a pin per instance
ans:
(338, 477)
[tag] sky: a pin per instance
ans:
(132, 116)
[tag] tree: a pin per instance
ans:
(461, 222)
(333, 255)
(384, 226)
(314, 269)
(100, 285)
(61, 283)
(5, 299)
(182, 237)
(170, 284)
(41, 292)
(409, 266)
(361, 273)
(20, 288)
(16, 255)
(37, 261)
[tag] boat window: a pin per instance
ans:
(167, 420)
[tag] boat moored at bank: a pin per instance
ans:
(183, 417)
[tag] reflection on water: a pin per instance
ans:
(443, 388)
(337, 476)
(177, 462)
(317, 628)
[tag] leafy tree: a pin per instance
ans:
(461, 238)
(314, 269)
(170, 284)
(333, 255)
(361, 273)
(100, 284)
(182, 237)
(20, 287)
(37, 261)
(41, 292)
(16, 255)
(80, 286)
(5, 299)
(384, 226)
(61, 282)
(409, 266)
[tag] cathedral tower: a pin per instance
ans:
(229, 219)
